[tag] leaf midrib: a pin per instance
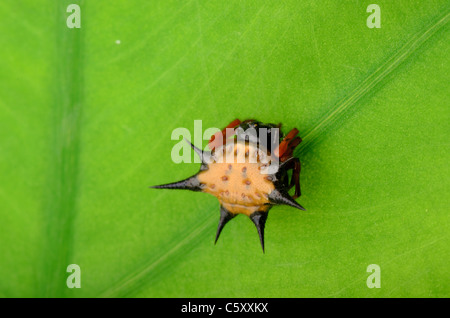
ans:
(60, 211)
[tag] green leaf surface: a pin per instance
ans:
(86, 117)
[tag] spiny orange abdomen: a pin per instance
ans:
(236, 179)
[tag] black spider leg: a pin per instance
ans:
(295, 179)
(294, 165)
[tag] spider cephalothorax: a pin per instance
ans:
(247, 170)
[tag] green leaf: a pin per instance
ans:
(86, 117)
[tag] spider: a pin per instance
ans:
(247, 170)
